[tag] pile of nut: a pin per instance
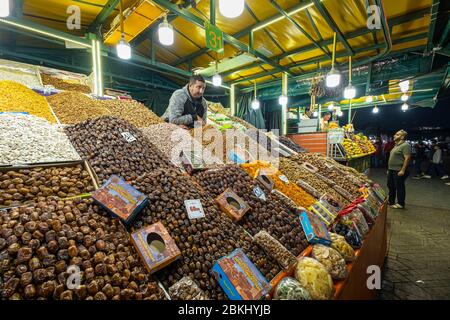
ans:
(132, 111)
(41, 184)
(28, 139)
(271, 214)
(201, 241)
(73, 107)
(20, 74)
(68, 250)
(104, 142)
(275, 249)
(64, 85)
(186, 289)
(15, 97)
(291, 144)
(170, 139)
(295, 172)
(319, 161)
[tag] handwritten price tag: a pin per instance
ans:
(194, 209)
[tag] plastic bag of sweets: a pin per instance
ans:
(340, 245)
(367, 216)
(186, 289)
(350, 235)
(290, 289)
(332, 260)
(358, 218)
(314, 277)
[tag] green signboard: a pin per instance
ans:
(214, 37)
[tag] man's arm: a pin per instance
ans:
(176, 109)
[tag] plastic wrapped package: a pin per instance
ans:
(186, 289)
(340, 245)
(357, 217)
(350, 235)
(367, 216)
(275, 249)
(331, 259)
(373, 212)
(314, 277)
(290, 289)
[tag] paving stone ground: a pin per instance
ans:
(418, 260)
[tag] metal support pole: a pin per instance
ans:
(284, 114)
(233, 99)
(212, 12)
(350, 112)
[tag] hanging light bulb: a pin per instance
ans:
(315, 114)
(369, 99)
(405, 107)
(217, 80)
(339, 113)
(333, 77)
(165, 33)
(255, 104)
(404, 86)
(283, 100)
(4, 8)
(331, 107)
(123, 49)
(231, 8)
(375, 109)
(404, 97)
(350, 90)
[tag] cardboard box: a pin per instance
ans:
(155, 246)
(265, 180)
(120, 199)
(315, 230)
(239, 278)
(233, 205)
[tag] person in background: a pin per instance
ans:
(324, 121)
(398, 163)
(187, 105)
(378, 153)
(436, 164)
(419, 158)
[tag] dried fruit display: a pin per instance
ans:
(44, 246)
(41, 184)
(73, 107)
(330, 172)
(27, 139)
(201, 241)
(15, 97)
(331, 259)
(340, 245)
(170, 139)
(132, 111)
(288, 188)
(275, 249)
(186, 289)
(295, 172)
(314, 277)
(113, 146)
(291, 144)
(64, 85)
(271, 215)
(19, 73)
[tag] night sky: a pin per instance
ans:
(417, 121)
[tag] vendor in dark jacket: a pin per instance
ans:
(187, 105)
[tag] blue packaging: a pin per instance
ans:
(315, 230)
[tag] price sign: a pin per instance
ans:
(284, 179)
(214, 37)
(259, 193)
(194, 209)
(128, 137)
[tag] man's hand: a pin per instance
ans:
(401, 173)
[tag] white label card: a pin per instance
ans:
(128, 137)
(259, 193)
(284, 178)
(194, 209)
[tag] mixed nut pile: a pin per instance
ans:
(113, 146)
(202, 241)
(28, 139)
(271, 214)
(64, 85)
(41, 184)
(69, 250)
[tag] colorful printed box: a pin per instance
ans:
(233, 205)
(239, 278)
(120, 199)
(315, 230)
(155, 246)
